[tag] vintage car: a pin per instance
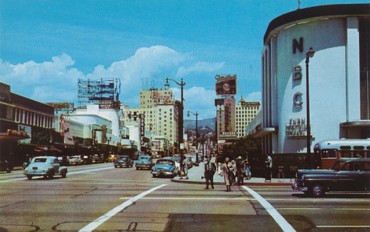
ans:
(144, 162)
(346, 175)
(123, 161)
(46, 166)
(75, 160)
(5, 166)
(165, 167)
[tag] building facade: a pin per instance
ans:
(244, 114)
(24, 123)
(160, 113)
(337, 74)
(225, 119)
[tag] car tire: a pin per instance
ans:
(29, 177)
(64, 175)
(317, 190)
(153, 175)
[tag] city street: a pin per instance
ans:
(103, 198)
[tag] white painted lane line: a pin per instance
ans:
(97, 222)
(280, 220)
(194, 198)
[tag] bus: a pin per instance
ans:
(328, 151)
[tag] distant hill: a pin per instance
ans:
(208, 123)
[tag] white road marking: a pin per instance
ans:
(97, 222)
(194, 198)
(280, 220)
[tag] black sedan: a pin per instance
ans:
(351, 174)
(123, 161)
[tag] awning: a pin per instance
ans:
(46, 148)
(10, 137)
(264, 131)
(358, 123)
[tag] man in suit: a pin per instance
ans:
(209, 172)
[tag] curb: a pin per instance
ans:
(245, 183)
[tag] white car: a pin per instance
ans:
(75, 160)
(46, 166)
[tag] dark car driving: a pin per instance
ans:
(345, 175)
(123, 161)
(144, 162)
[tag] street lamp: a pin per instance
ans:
(196, 131)
(309, 55)
(181, 129)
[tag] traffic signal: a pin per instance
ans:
(297, 73)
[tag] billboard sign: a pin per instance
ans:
(226, 85)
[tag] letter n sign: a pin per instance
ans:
(297, 45)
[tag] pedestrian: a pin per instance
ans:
(232, 167)
(240, 170)
(216, 162)
(268, 163)
(226, 172)
(185, 169)
(209, 172)
(248, 173)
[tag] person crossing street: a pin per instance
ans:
(209, 172)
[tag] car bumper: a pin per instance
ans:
(163, 173)
(143, 165)
(299, 185)
(35, 173)
(122, 165)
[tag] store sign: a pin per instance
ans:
(25, 131)
(296, 128)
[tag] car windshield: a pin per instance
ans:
(144, 157)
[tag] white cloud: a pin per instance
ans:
(53, 80)
(199, 67)
(254, 96)
(198, 99)
(56, 80)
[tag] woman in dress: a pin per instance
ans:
(226, 172)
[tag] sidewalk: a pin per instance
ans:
(195, 177)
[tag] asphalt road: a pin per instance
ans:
(102, 198)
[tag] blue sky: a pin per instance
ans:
(46, 45)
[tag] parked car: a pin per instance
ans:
(111, 158)
(75, 160)
(346, 175)
(123, 161)
(5, 166)
(144, 161)
(96, 158)
(165, 167)
(46, 166)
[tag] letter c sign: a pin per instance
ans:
(297, 99)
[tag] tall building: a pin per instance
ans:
(338, 77)
(225, 119)
(244, 114)
(160, 113)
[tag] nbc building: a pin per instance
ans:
(315, 71)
